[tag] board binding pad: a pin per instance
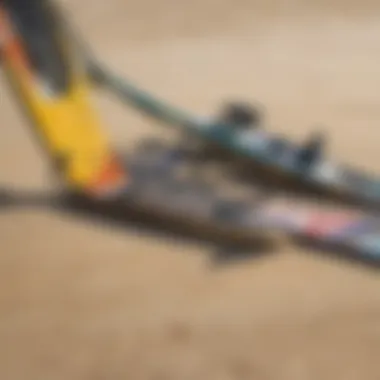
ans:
(239, 130)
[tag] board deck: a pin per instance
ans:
(159, 187)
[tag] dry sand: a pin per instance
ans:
(80, 301)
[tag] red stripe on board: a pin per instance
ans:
(323, 224)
